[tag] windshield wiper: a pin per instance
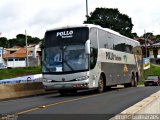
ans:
(63, 49)
(68, 64)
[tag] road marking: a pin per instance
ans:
(54, 104)
(62, 102)
(27, 111)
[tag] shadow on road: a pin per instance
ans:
(87, 92)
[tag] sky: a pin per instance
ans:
(36, 16)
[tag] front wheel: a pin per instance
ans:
(101, 85)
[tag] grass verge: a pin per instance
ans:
(17, 72)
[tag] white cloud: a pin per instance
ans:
(38, 15)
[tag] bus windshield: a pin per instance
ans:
(65, 58)
(64, 50)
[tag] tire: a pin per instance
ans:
(133, 82)
(101, 85)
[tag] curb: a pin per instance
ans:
(148, 106)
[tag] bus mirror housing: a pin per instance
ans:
(87, 47)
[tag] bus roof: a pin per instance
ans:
(90, 26)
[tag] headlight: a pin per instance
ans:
(82, 78)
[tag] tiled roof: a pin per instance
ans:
(18, 52)
(156, 44)
(21, 53)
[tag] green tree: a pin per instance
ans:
(113, 19)
(34, 40)
(149, 36)
(20, 40)
(134, 35)
(3, 42)
(12, 42)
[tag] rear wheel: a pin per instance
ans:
(133, 82)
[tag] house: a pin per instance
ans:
(154, 50)
(16, 56)
(15, 59)
(151, 47)
(35, 56)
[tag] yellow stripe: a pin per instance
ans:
(27, 111)
(61, 102)
(54, 104)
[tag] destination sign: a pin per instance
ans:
(65, 34)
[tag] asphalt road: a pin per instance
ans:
(84, 105)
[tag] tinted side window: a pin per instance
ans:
(105, 39)
(123, 45)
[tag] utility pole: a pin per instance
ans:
(145, 39)
(87, 9)
(26, 49)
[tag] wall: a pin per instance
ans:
(10, 91)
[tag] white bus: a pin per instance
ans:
(88, 56)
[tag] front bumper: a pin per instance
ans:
(151, 83)
(79, 85)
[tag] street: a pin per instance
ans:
(85, 103)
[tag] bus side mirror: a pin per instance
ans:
(87, 47)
